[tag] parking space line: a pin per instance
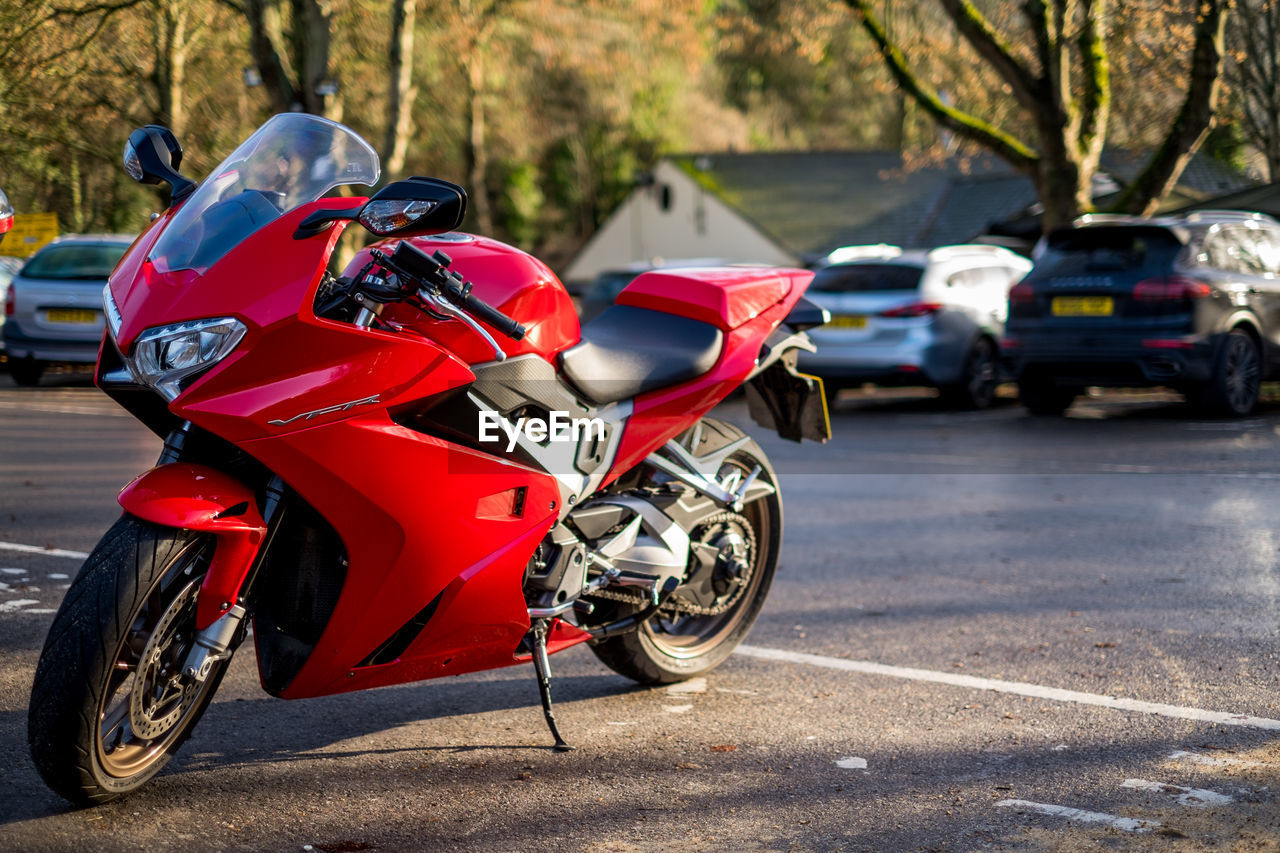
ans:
(48, 552)
(1185, 796)
(1017, 688)
(1127, 824)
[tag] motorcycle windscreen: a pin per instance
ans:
(292, 160)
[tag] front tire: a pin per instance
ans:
(673, 646)
(108, 708)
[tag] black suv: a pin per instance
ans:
(1191, 302)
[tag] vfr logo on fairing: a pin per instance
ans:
(327, 410)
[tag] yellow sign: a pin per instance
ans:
(29, 233)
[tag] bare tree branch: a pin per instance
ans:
(997, 52)
(1195, 118)
(1018, 154)
(1095, 102)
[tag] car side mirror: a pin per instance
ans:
(152, 155)
(6, 213)
(416, 206)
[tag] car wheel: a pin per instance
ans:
(26, 371)
(977, 386)
(1237, 377)
(1042, 397)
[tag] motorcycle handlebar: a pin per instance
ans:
(410, 261)
(462, 297)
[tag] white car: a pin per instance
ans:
(53, 310)
(927, 317)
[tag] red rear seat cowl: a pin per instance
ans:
(725, 297)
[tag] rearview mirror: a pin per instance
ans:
(415, 207)
(152, 155)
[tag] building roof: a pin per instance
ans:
(1264, 199)
(813, 202)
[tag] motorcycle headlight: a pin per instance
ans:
(164, 356)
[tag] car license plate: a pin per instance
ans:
(1083, 306)
(71, 315)
(848, 321)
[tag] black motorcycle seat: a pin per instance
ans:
(627, 351)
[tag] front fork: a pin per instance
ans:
(204, 499)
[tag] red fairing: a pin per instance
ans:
(195, 497)
(518, 284)
(663, 414)
(408, 509)
(266, 279)
(725, 297)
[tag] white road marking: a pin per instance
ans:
(1127, 824)
(677, 709)
(57, 576)
(14, 571)
(1017, 688)
(693, 685)
(36, 549)
(1186, 796)
(16, 604)
(853, 762)
(1210, 760)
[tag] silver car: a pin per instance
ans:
(53, 311)
(914, 318)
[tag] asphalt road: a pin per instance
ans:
(988, 631)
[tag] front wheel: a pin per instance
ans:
(109, 705)
(731, 566)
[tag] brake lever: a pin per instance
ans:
(442, 306)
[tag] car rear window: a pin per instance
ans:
(1089, 250)
(867, 278)
(71, 261)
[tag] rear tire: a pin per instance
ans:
(26, 371)
(1237, 378)
(671, 647)
(979, 378)
(125, 624)
(1042, 397)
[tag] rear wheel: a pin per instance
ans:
(26, 371)
(1237, 377)
(731, 567)
(977, 386)
(109, 705)
(1042, 397)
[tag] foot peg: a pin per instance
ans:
(538, 642)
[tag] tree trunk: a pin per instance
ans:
(400, 91)
(263, 18)
(171, 65)
(477, 155)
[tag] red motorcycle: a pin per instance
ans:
(420, 467)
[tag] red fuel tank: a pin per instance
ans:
(518, 284)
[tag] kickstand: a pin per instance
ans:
(538, 641)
